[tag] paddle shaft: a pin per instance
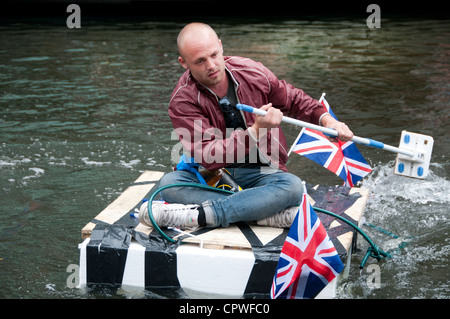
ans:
(329, 131)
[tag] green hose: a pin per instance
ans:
(372, 251)
(150, 200)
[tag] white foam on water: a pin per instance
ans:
(130, 164)
(416, 211)
(434, 189)
(91, 162)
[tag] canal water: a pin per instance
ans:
(83, 112)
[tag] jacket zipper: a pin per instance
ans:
(260, 153)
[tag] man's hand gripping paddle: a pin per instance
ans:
(413, 153)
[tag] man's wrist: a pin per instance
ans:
(322, 117)
(254, 133)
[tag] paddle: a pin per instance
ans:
(414, 153)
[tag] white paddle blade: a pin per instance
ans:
(418, 165)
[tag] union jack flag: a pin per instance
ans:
(342, 158)
(308, 259)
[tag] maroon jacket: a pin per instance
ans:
(200, 125)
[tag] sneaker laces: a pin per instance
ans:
(283, 219)
(169, 215)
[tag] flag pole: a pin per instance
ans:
(295, 142)
(322, 97)
(301, 131)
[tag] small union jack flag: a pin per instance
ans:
(342, 158)
(308, 259)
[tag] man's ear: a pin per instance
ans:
(182, 62)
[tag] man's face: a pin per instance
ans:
(203, 56)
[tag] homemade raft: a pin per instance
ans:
(234, 262)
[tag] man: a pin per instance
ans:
(251, 147)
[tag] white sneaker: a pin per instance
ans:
(170, 215)
(283, 219)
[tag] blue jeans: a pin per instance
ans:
(263, 195)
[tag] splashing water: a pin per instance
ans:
(384, 183)
(415, 211)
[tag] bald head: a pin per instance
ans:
(195, 34)
(201, 52)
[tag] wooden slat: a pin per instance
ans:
(358, 207)
(355, 211)
(233, 237)
(125, 202)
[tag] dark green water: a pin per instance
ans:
(83, 112)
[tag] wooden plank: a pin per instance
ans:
(225, 237)
(87, 230)
(355, 211)
(233, 237)
(125, 202)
